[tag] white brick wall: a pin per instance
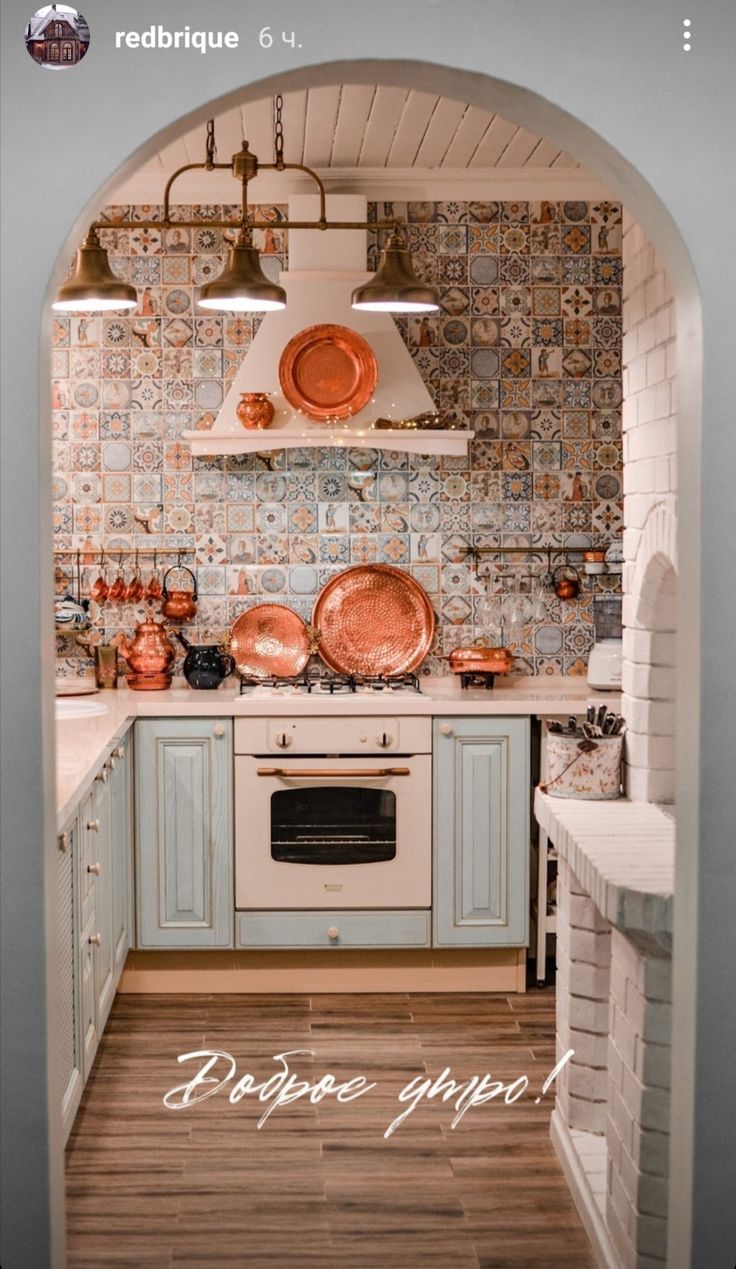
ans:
(650, 509)
(583, 959)
(638, 1110)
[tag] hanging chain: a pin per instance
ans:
(278, 131)
(210, 145)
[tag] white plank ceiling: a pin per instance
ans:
(369, 136)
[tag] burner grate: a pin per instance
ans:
(325, 682)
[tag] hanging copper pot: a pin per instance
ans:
(179, 605)
(566, 587)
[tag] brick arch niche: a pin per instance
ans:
(650, 661)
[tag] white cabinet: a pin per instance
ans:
(94, 889)
(68, 981)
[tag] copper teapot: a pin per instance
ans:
(179, 605)
(149, 656)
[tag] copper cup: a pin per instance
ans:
(153, 589)
(99, 590)
(135, 590)
(118, 590)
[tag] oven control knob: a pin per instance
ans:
(283, 740)
(333, 933)
(385, 739)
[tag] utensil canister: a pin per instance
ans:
(578, 767)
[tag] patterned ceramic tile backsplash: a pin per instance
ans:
(527, 347)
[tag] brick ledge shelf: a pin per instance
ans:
(623, 854)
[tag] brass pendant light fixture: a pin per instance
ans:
(92, 286)
(395, 288)
(242, 285)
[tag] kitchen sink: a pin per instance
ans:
(78, 707)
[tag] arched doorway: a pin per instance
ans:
(522, 106)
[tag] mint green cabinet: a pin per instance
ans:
(68, 1019)
(121, 832)
(481, 831)
(184, 832)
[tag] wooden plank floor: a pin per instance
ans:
(318, 1185)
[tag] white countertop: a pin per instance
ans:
(623, 855)
(82, 745)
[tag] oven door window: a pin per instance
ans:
(333, 825)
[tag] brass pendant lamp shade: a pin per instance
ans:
(92, 286)
(395, 288)
(242, 287)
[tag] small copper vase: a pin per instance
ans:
(254, 410)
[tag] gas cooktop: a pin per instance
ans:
(318, 682)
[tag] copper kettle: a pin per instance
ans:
(179, 605)
(149, 656)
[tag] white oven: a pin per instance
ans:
(333, 812)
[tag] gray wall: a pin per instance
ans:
(663, 121)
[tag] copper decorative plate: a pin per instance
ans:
(373, 620)
(270, 640)
(327, 371)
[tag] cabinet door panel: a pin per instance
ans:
(101, 849)
(481, 782)
(70, 1056)
(122, 853)
(184, 832)
(88, 994)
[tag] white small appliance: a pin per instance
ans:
(605, 660)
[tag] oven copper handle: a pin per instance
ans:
(309, 773)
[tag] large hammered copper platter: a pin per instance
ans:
(373, 620)
(328, 371)
(270, 640)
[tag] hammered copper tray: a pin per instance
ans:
(270, 640)
(373, 620)
(327, 371)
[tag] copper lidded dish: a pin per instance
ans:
(270, 640)
(479, 659)
(328, 372)
(373, 620)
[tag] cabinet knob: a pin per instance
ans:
(120, 752)
(93, 826)
(112, 762)
(95, 868)
(102, 775)
(333, 933)
(283, 740)
(446, 729)
(63, 841)
(218, 729)
(96, 939)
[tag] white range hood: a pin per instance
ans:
(325, 267)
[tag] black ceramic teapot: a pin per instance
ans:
(206, 664)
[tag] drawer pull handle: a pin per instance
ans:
(313, 773)
(93, 826)
(446, 729)
(95, 868)
(96, 939)
(333, 933)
